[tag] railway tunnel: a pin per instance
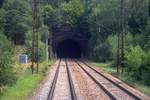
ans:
(68, 49)
(69, 44)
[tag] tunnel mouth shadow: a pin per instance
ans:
(68, 49)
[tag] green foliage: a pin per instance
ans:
(138, 16)
(138, 64)
(71, 11)
(112, 40)
(129, 40)
(1, 18)
(41, 53)
(102, 52)
(23, 87)
(99, 49)
(67, 14)
(113, 45)
(25, 84)
(134, 58)
(6, 71)
(138, 40)
(50, 16)
(146, 68)
(1, 3)
(43, 32)
(14, 21)
(147, 34)
(104, 21)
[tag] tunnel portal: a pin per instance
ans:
(69, 42)
(68, 49)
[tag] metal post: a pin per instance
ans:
(35, 35)
(118, 53)
(120, 49)
(149, 7)
(46, 49)
(36, 49)
(122, 33)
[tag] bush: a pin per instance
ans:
(138, 64)
(42, 53)
(41, 50)
(7, 75)
(14, 21)
(113, 42)
(139, 40)
(134, 60)
(101, 52)
(146, 69)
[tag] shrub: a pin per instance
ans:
(102, 52)
(138, 64)
(146, 69)
(112, 41)
(7, 75)
(138, 40)
(134, 60)
(42, 53)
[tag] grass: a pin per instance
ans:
(106, 67)
(124, 77)
(23, 87)
(26, 84)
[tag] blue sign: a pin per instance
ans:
(23, 59)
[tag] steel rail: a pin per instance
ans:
(99, 84)
(72, 89)
(51, 92)
(122, 88)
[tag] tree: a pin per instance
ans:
(138, 16)
(7, 75)
(14, 21)
(1, 3)
(71, 12)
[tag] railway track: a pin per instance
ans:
(64, 85)
(69, 80)
(72, 89)
(51, 92)
(112, 89)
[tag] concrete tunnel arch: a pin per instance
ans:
(69, 48)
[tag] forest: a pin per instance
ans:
(102, 21)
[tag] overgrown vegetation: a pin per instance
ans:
(7, 76)
(138, 64)
(16, 30)
(25, 84)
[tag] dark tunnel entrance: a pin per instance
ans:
(68, 49)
